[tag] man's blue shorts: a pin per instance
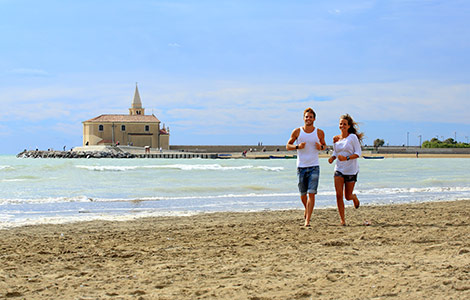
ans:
(308, 179)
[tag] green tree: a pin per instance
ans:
(448, 143)
(379, 143)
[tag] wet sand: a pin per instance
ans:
(412, 251)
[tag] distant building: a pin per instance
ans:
(135, 129)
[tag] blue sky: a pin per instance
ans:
(234, 72)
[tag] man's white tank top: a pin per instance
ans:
(308, 156)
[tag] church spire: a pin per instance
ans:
(136, 107)
(136, 103)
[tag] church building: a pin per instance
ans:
(134, 129)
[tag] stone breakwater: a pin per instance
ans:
(116, 152)
(108, 153)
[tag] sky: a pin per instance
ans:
(235, 72)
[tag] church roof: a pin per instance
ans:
(136, 102)
(124, 118)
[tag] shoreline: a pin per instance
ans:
(130, 217)
(409, 251)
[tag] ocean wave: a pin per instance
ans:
(6, 217)
(20, 178)
(414, 190)
(258, 192)
(6, 168)
(46, 200)
(140, 199)
(13, 180)
(85, 217)
(183, 167)
(106, 168)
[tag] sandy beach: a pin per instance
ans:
(409, 251)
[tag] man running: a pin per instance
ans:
(310, 141)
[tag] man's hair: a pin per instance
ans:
(310, 110)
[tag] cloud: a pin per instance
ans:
(30, 72)
(237, 108)
(272, 107)
(174, 45)
(47, 102)
(211, 102)
(334, 11)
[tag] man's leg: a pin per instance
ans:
(303, 198)
(313, 178)
(303, 186)
(309, 208)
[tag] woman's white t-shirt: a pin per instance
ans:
(347, 147)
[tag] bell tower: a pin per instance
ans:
(136, 107)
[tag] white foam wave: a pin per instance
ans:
(106, 168)
(46, 200)
(90, 217)
(414, 190)
(5, 217)
(250, 195)
(399, 192)
(172, 198)
(183, 167)
(13, 180)
(6, 167)
(265, 168)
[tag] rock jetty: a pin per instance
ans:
(105, 153)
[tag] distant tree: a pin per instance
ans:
(379, 143)
(448, 143)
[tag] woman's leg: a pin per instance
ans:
(348, 193)
(339, 183)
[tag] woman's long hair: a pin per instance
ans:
(353, 127)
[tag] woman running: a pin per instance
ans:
(347, 149)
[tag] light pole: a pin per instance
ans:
(407, 139)
(420, 136)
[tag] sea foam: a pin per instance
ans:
(183, 167)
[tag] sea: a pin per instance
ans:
(44, 191)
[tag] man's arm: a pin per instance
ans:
(321, 137)
(293, 137)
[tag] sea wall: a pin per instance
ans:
(227, 148)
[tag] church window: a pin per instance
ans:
(123, 127)
(147, 128)
(100, 127)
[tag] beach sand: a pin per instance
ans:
(411, 251)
